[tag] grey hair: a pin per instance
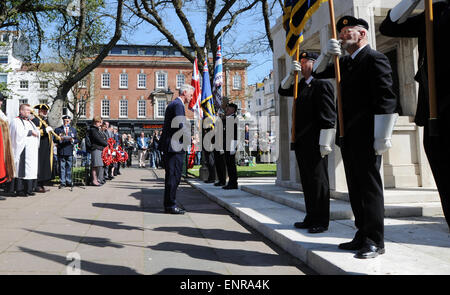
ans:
(186, 87)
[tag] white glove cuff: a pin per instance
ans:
(327, 137)
(287, 81)
(233, 145)
(321, 63)
(401, 11)
(384, 125)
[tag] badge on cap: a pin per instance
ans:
(345, 21)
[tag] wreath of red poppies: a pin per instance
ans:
(113, 155)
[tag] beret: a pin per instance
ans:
(350, 21)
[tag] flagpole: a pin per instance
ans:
(431, 73)
(294, 111)
(337, 71)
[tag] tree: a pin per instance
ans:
(220, 17)
(80, 44)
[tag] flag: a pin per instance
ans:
(218, 77)
(194, 105)
(295, 15)
(207, 99)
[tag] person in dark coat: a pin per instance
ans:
(45, 156)
(68, 136)
(230, 142)
(399, 23)
(173, 153)
(314, 134)
(98, 143)
(368, 104)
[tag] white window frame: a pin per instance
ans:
(123, 108)
(82, 83)
(144, 80)
(157, 81)
(23, 100)
(158, 110)
(82, 104)
(105, 108)
(41, 83)
(23, 83)
(237, 82)
(181, 79)
(123, 81)
(141, 107)
(104, 80)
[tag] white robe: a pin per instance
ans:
(3, 116)
(21, 141)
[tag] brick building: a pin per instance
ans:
(134, 84)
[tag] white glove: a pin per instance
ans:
(48, 129)
(384, 125)
(233, 147)
(402, 10)
(326, 140)
(289, 79)
(333, 48)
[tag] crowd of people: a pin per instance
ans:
(34, 154)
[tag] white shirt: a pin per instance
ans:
(308, 81)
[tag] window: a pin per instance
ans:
(82, 108)
(82, 83)
(124, 51)
(123, 108)
(141, 52)
(180, 80)
(3, 59)
(105, 108)
(43, 84)
(161, 80)
(161, 108)
(237, 82)
(22, 101)
(23, 84)
(142, 80)
(123, 80)
(142, 105)
(106, 80)
(43, 101)
(5, 38)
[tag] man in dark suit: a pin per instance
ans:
(314, 135)
(68, 136)
(368, 103)
(230, 141)
(398, 23)
(174, 147)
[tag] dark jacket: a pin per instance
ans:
(414, 27)
(315, 109)
(65, 147)
(98, 139)
(366, 87)
(174, 109)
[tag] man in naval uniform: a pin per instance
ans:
(399, 23)
(68, 136)
(368, 104)
(25, 141)
(230, 130)
(45, 157)
(314, 134)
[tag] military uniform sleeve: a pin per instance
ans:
(384, 99)
(328, 73)
(326, 106)
(413, 27)
(286, 92)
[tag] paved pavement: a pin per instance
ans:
(120, 228)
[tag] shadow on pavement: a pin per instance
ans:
(92, 267)
(215, 234)
(107, 224)
(180, 271)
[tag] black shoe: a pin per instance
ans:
(369, 251)
(21, 194)
(61, 185)
(354, 244)
(174, 210)
(219, 183)
(210, 181)
(31, 194)
(317, 229)
(302, 225)
(228, 186)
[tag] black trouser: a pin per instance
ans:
(21, 185)
(437, 151)
(230, 160)
(173, 163)
(209, 162)
(365, 188)
(219, 164)
(315, 183)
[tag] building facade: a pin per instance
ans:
(405, 164)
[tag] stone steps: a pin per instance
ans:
(414, 245)
(398, 205)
